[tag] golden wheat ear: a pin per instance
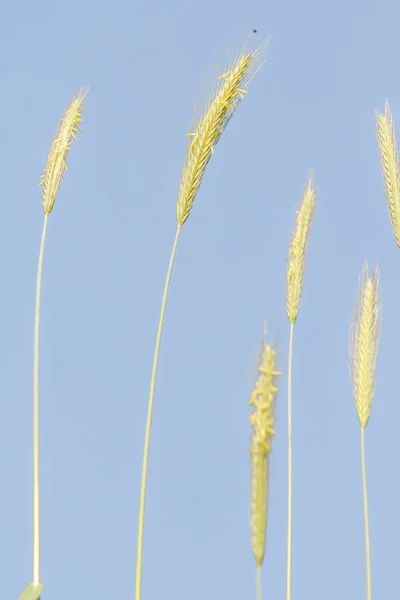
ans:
(262, 423)
(363, 352)
(57, 159)
(32, 592)
(209, 123)
(364, 342)
(228, 90)
(297, 251)
(386, 138)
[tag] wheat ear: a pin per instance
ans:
(386, 138)
(295, 275)
(50, 182)
(262, 422)
(208, 125)
(363, 352)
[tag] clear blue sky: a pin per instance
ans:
(109, 238)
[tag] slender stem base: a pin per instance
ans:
(36, 496)
(139, 552)
(289, 517)
(258, 583)
(366, 520)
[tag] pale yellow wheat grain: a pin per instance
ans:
(57, 158)
(386, 138)
(262, 421)
(230, 88)
(297, 252)
(363, 342)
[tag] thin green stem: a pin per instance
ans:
(36, 495)
(139, 552)
(258, 582)
(289, 517)
(366, 521)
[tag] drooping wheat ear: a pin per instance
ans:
(386, 137)
(57, 159)
(262, 421)
(56, 166)
(297, 252)
(229, 89)
(363, 352)
(364, 341)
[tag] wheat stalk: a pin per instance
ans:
(363, 352)
(386, 138)
(50, 182)
(262, 422)
(295, 275)
(208, 125)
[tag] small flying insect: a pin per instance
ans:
(254, 30)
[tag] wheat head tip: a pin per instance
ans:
(386, 138)
(364, 341)
(229, 88)
(57, 158)
(297, 251)
(262, 423)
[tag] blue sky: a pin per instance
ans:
(109, 238)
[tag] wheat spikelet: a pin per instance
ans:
(364, 341)
(297, 252)
(230, 89)
(57, 158)
(386, 138)
(262, 421)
